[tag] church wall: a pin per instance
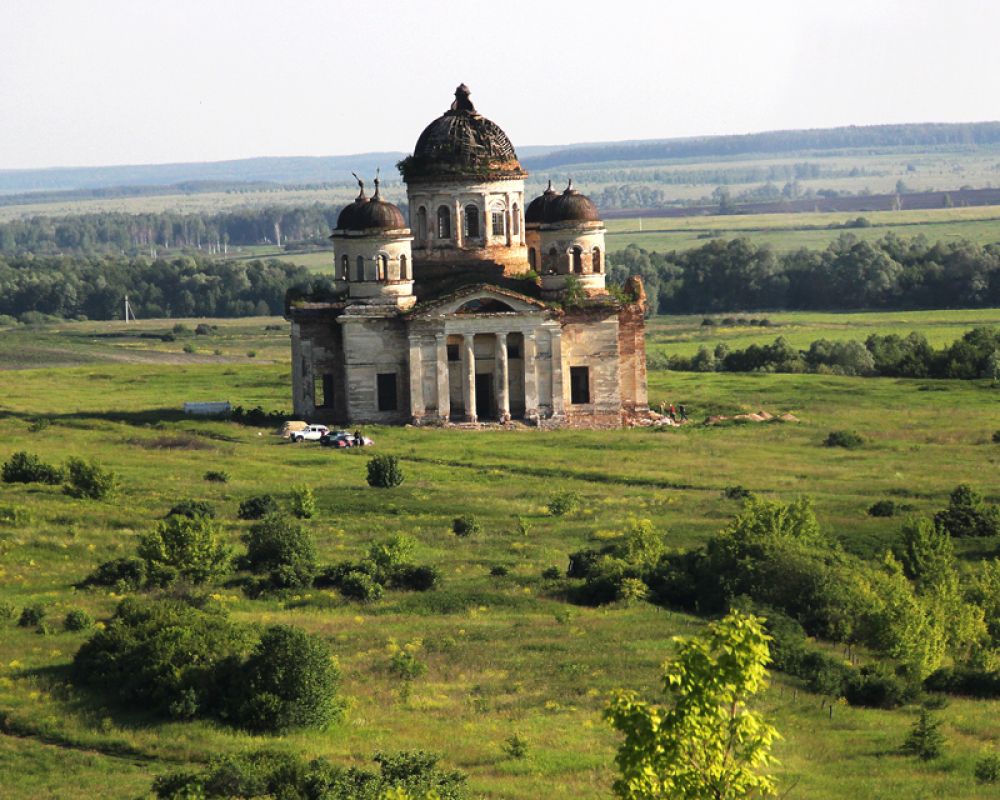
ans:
(373, 347)
(317, 351)
(632, 349)
(591, 341)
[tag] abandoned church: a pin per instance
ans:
(482, 308)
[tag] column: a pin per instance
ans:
(530, 356)
(509, 217)
(308, 380)
(459, 225)
(558, 398)
(502, 380)
(443, 382)
(416, 381)
(469, 377)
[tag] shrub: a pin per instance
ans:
(416, 578)
(188, 545)
(964, 681)
(515, 747)
(564, 503)
(996, 437)
(288, 681)
(925, 740)
(883, 508)
(551, 573)
(164, 656)
(31, 616)
(988, 768)
(217, 476)
(737, 492)
(499, 571)
(121, 573)
(88, 479)
(358, 585)
(78, 620)
(845, 439)
(7, 612)
(874, 687)
(258, 507)
(968, 514)
(189, 348)
(180, 327)
(192, 509)
(303, 503)
(24, 467)
(384, 472)
(203, 329)
(13, 515)
(466, 525)
(281, 548)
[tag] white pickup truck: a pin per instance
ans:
(311, 432)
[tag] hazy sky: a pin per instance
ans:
(89, 82)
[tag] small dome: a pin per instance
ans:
(571, 206)
(535, 212)
(372, 213)
(462, 142)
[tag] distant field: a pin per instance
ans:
(507, 654)
(787, 232)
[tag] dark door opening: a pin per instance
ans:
(484, 396)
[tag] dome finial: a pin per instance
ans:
(569, 186)
(376, 196)
(361, 186)
(462, 101)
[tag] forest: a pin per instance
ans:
(890, 273)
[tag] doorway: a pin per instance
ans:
(485, 408)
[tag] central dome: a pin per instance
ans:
(462, 143)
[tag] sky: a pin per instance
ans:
(139, 81)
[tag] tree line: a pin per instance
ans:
(94, 287)
(890, 273)
(975, 355)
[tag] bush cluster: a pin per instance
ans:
(466, 525)
(258, 507)
(184, 662)
(968, 514)
(270, 773)
(846, 439)
(386, 565)
(24, 467)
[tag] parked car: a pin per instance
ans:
(344, 439)
(312, 432)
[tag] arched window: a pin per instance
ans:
(361, 269)
(576, 255)
(421, 224)
(553, 264)
(344, 264)
(498, 219)
(444, 223)
(596, 259)
(383, 267)
(402, 269)
(515, 220)
(531, 258)
(472, 221)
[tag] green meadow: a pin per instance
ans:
(505, 654)
(815, 231)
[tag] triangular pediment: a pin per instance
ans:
(481, 299)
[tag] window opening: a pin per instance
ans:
(579, 385)
(444, 223)
(387, 391)
(472, 221)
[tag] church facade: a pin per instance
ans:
(481, 308)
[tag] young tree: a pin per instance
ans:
(705, 744)
(189, 545)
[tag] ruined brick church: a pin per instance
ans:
(482, 308)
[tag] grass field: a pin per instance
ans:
(786, 232)
(504, 654)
